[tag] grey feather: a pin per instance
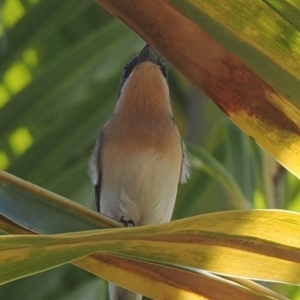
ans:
(95, 167)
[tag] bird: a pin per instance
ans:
(139, 158)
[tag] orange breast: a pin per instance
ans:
(143, 114)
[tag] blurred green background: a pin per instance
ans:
(60, 66)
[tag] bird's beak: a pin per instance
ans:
(147, 54)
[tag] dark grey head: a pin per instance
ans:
(147, 54)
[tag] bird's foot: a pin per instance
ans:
(127, 223)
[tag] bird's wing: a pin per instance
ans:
(185, 166)
(96, 167)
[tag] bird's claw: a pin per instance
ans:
(127, 223)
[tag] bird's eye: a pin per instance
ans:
(125, 73)
(127, 70)
(164, 70)
(163, 67)
(129, 67)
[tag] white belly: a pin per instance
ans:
(140, 186)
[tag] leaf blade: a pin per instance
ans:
(32, 207)
(247, 99)
(253, 249)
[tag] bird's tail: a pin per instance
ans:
(119, 293)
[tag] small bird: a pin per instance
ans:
(139, 158)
